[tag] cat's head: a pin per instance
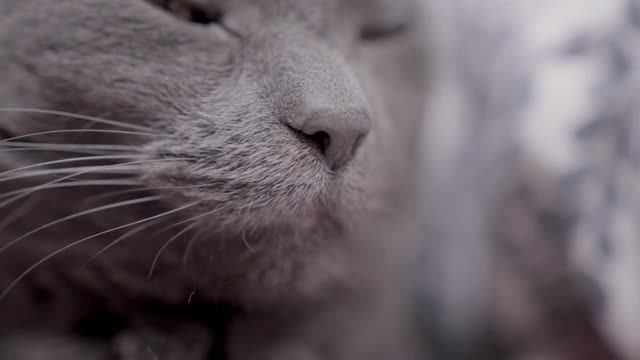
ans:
(259, 113)
(273, 106)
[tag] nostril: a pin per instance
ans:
(322, 140)
(336, 135)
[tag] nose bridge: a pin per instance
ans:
(311, 76)
(317, 93)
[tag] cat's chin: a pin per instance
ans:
(291, 259)
(236, 217)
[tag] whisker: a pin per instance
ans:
(18, 197)
(3, 295)
(78, 159)
(80, 214)
(87, 152)
(75, 184)
(246, 243)
(166, 244)
(122, 238)
(71, 170)
(18, 213)
(190, 220)
(122, 132)
(110, 194)
(78, 116)
(189, 247)
(65, 147)
(125, 192)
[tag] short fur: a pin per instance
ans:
(282, 233)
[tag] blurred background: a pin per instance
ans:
(533, 247)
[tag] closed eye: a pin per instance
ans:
(377, 32)
(188, 11)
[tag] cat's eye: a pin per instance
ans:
(189, 11)
(377, 32)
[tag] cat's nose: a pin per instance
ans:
(338, 134)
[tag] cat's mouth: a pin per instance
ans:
(248, 192)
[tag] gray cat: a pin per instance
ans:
(236, 175)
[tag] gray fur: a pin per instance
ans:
(284, 232)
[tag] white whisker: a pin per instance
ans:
(190, 220)
(246, 243)
(81, 241)
(73, 131)
(122, 238)
(18, 213)
(189, 247)
(65, 147)
(166, 244)
(125, 192)
(87, 183)
(98, 169)
(78, 159)
(77, 116)
(86, 152)
(80, 214)
(18, 197)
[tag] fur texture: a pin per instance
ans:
(275, 231)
